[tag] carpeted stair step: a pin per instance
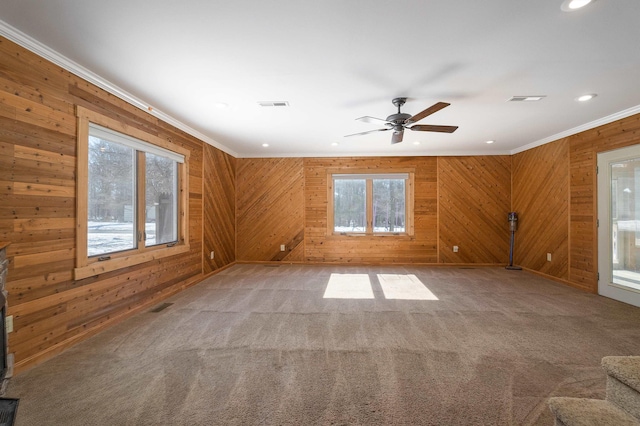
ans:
(623, 382)
(589, 412)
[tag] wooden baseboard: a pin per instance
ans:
(217, 271)
(301, 262)
(50, 352)
(560, 280)
(27, 363)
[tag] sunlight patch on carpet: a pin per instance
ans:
(349, 286)
(405, 287)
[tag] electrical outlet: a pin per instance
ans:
(212, 255)
(9, 323)
(455, 249)
(548, 257)
(282, 247)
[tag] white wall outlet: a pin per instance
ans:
(9, 323)
(211, 255)
(548, 257)
(282, 247)
(455, 249)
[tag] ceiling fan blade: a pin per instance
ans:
(433, 128)
(366, 133)
(368, 119)
(432, 109)
(397, 137)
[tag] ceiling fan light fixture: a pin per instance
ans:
(571, 5)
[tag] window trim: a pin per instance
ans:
(87, 267)
(369, 175)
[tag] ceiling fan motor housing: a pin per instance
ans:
(397, 119)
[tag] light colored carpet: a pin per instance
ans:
(589, 412)
(260, 345)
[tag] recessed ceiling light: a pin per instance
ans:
(334, 144)
(585, 98)
(265, 145)
(490, 141)
(416, 143)
(222, 105)
(571, 5)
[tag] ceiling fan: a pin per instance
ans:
(401, 121)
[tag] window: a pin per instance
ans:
(131, 196)
(366, 203)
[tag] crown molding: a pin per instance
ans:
(375, 154)
(587, 126)
(51, 55)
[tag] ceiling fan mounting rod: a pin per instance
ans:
(399, 102)
(399, 119)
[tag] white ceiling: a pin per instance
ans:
(336, 60)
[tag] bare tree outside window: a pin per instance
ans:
(388, 205)
(364, 203)
(114, 176)
(161, 200)
(350, 209)
(111, 201)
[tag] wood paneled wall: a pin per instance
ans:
(555, 191)
(37, 213)
(270, 209)
(219, 231)
(474, 197)
(320, 247)
(541, 198)
(583, 155)
(282, 200)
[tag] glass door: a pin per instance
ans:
(619, 224)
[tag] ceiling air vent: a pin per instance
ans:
(527, 98)
(273, 103)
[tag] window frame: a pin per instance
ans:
(90, 266)
(369, 175)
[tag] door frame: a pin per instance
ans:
(605, 285)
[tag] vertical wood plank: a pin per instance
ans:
(321, 247)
